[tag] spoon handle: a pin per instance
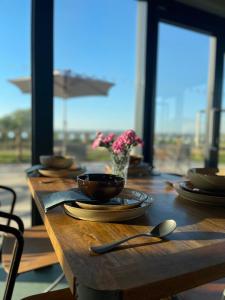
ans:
(107, 247)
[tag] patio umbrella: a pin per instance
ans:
(66, 86)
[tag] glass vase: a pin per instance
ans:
(120, 164)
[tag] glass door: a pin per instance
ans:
(181, 99)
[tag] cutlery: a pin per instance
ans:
(161, 230)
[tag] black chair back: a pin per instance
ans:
(14, 197)
(13, 193)
(17, 251)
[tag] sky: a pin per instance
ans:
(98, 38)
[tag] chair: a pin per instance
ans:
(37, 252)
(11, 208)
(16, 259)
(8, 189)
(17, 251)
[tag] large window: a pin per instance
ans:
(15, 114)
(94, 41)
(181, 99)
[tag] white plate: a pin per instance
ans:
(198, 197)
(102, 215)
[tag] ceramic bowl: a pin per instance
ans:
(135, 159)
(56, 162)
(207, 178)
(100, 186)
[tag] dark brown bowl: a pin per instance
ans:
(100, 186)
(135, 160)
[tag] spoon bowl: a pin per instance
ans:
(160, 231)
(163, 229)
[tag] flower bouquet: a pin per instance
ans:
(119, 148)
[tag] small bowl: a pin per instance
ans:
(56, 162)
(135, 160)
(207, 179)
(100, 186)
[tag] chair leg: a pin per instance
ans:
(51, 286)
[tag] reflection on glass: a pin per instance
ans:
(181, 99)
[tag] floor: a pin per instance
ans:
(34, 282)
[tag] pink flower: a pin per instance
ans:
(119, 145)
(98, 140)
(103, 141)
(109, 138)
(129, 136)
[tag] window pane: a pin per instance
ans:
(181, 99)
(98, 42)
(15, 126)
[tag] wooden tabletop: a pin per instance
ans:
(193, 255)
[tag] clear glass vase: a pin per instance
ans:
(120, 164)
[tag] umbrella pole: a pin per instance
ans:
(64, 127)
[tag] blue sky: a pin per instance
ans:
(97, 38)
(182, 78)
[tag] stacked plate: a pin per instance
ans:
(59, 166)
(206, 187)
(71, 172)
(129, 204)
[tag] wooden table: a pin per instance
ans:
(193, 255)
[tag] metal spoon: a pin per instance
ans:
(161, 230)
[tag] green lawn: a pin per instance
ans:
(11, 156)
(98, 155)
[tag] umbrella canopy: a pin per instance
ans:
(68, 85)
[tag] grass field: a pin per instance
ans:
(11, 156)
(97, 155)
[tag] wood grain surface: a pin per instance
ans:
(193, 255)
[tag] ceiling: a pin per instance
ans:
(216, 7)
